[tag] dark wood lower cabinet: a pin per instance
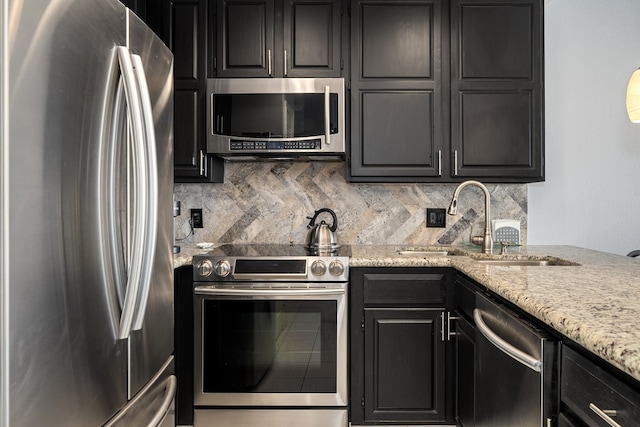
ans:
(402, 360)
(404, 357)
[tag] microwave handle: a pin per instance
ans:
(327, 115)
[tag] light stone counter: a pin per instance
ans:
(187, 251)
(595, 304)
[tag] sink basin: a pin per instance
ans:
(426, 251)
(413, 252)
(516, 262)
(526, 262)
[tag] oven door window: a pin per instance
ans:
(269, 346)
(273, 115)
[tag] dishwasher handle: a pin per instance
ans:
(511, 351)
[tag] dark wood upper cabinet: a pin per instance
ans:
(312, 34)
(245, 42)
(497, 89)
(267, 38)
(439, 90)
(397, 101)
(443, 91)
(185, 31)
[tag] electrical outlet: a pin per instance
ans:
(196, 218)
(436, 217)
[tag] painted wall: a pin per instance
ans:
(591, 196)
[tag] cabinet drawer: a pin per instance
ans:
(404, 289)
(584, 383)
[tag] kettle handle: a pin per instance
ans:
(333, 227)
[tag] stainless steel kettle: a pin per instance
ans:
(322, 236)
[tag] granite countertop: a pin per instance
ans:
(596, 304)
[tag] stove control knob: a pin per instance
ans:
(222, 268)
(336, 268)
(318, 268)
(204, 268)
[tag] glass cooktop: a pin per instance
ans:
(275, 250)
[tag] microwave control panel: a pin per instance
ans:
(241, 145)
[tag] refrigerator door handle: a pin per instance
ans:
(138, 190)
(171, 384)
(151, 220)
(112, 226)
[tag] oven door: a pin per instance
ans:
(270, 345)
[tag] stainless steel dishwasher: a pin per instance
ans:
(516, 369)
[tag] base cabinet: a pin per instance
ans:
(592, 395)
(401, 357)
(403, 361)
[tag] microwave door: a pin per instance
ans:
(260, 117)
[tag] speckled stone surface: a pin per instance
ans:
(268, 202)
(187, 251)
(596, 304)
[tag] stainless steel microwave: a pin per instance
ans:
(276, 117)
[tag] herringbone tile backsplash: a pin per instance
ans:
(268, 202)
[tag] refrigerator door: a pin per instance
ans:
(154, 405)
(66, 365)
(152, 335)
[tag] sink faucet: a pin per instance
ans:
(487, 241)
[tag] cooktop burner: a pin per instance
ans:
(275, 250)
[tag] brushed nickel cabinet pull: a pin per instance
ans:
(605, 414)
(285, 63)
(455, 162)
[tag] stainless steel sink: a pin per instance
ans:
(526, 262)
(415, 252)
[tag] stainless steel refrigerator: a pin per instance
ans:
(86, 303)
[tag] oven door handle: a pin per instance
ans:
(204, 290)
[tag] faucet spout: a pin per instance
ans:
(487, 241)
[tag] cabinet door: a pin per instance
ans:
(496, 89)
(311, 38)
(404, 365)
(397, 102)
(184, 31)
(245, 38)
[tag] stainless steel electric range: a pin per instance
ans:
(270, 336)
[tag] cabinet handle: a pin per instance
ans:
(202, 163)
(285, 63)
(269, 62)
(327, 115)
(449, 319)
(455, 162)
(442, 326)
(605, 414)
(439, 162)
